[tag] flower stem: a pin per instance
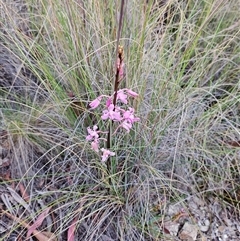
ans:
(118, 63)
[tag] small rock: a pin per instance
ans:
(171, 228)
(189, 232)
(204, 225)
(221, 228)
(225, 237)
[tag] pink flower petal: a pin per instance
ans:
(95, 103)
(132, 93)
(95, 145)
(122, 96)
(92, 133)
(106, 154)
(111, 114)
(109, 102)
(105, 115)
(116, 116)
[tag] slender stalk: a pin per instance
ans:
(118, 62)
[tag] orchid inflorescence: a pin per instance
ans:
(124, 117)
(113, 112)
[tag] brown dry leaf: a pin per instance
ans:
(38, 222)
(71, 230)
(24, 192)
(234, 143)
(40, 236)
(72, 227)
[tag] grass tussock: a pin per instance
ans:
(182, 57)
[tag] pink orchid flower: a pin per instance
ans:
(95, 145)
(128, 119)
(95, 103)
(122, 96)
(106, 154)
(92, 133)
(129, 115)
(111, 114)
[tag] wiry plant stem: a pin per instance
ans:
(118, 62)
